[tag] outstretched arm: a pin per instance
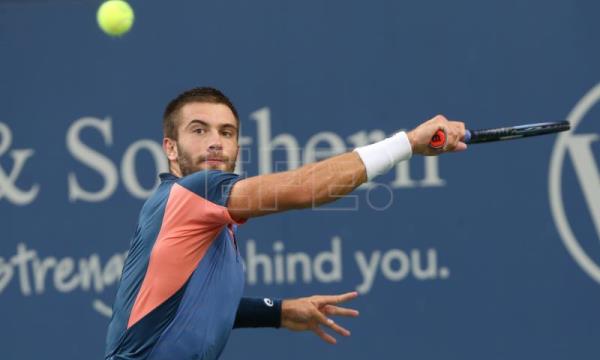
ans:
(328, 180)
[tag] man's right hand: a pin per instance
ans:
(420, 137)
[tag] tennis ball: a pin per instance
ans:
(115, 17)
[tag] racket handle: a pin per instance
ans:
(467, 139)
(439, 139)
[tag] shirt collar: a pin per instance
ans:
(167, 177)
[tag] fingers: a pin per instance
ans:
(455, 133)
(323, 320)
(325, 336)
(332, 325)
(340, 311)
(339, 329)
(321, 300)
(461, 146)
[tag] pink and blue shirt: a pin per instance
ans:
(183, 278)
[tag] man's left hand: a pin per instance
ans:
(309, 313)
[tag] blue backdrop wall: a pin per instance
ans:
(492, 253)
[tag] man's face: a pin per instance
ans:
(207, 138)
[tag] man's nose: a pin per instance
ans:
(215, 143)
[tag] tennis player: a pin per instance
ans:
(180, 293)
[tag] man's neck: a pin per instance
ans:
(174, 169)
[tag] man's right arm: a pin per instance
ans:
(328, 180)
(310, 185)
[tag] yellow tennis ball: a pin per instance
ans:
(115, 17)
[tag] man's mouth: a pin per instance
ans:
(213, 160)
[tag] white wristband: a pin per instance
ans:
(381, 156)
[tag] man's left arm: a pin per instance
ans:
(308, 313)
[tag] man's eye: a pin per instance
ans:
(199, 131)
(227, 133)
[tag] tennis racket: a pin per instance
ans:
(504, 133)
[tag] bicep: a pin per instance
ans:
(265, 194)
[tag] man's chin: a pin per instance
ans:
(214, 165)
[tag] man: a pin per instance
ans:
(183, 278)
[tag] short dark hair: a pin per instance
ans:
(199, 94)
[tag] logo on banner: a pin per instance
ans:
(579, 148)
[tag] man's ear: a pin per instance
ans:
(170, 148)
